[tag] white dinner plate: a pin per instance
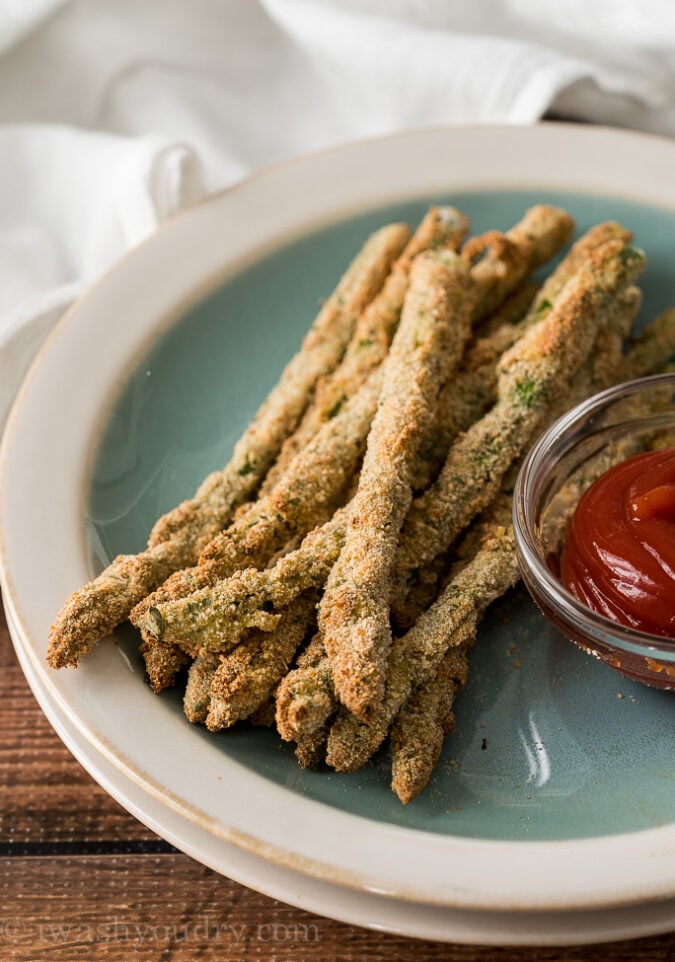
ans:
(523, 840)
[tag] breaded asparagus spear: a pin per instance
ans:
(246, 677)
(511, 312)
(162, 663)
(217, 616)
(354, 611)
(501, 262)
(176, 540)
(470, 395)
(305, 697)
(310, 486)
(310, 735)
(263, 717)
(530, 375)
(442, 227)
(310, 750)
(464, 400)
(197, 698)
(601, 367)
(420, 727)
(416, 657)
(652, 349)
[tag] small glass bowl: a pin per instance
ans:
(580, 446)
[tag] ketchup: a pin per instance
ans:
(619, 554)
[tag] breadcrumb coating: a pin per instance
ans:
(421, 725)
(246, 676)
(501, 262)
(217, 616)
(305, 698)
(354, 611)
(416, 656)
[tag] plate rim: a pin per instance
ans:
(419, 892)
(465, 926)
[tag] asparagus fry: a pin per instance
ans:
(426, 718)
(354, 610)
(305, 698)
(162, 663)
(197, 698)
(309, 731)
(217, 616)
(263, 717)
(652, 349)
(246, 677)
(310, 750)
(415, 657)
(464, 399)
(177, 538)
(513, 310)
(576, 260)
(507, 259)
(601, 367)
(537, 367)
(442, 227)
(311, 485)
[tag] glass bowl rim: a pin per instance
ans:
(602, 629)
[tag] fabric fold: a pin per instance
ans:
(116, 114)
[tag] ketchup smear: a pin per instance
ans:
(619, 554)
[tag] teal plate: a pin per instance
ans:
(549, 744)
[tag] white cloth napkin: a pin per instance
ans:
(116, 113)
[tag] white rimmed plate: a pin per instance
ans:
(564, 852)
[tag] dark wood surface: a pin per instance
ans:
(80, 878)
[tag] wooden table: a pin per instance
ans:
(82, 879)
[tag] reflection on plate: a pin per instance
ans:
(555, 793)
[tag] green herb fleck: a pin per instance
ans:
(335, 409)
(526, 392)
(489, 453)
(247, 468)
(544, 307)
(629, 254)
